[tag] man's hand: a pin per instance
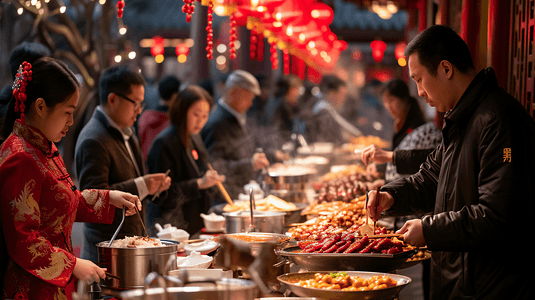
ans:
(157, 183)
(120, 199)
(413, 233)
(260, 161)
(376, 205)
(210, 178)
(377, 155)
(87, 271)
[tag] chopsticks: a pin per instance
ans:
(157, 194)
(141, 220)
(108, 274)
(222, 188)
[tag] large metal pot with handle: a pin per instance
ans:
(132, 265)
(264, 221)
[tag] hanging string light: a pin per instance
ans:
(233, 37)
(210, 30)
(253, 44)
(274, 55)
(286, 61)
(120, 8)
(188, 8)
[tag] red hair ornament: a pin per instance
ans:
(23, 76)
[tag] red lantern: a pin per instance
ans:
(182, 49)
(400, 50)
(378, 50)
(157, 47)
(286, 61)
(274, 60)
(188, 8)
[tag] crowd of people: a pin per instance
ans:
(465, 178)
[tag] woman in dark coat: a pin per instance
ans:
(403, 108)
(180, 149)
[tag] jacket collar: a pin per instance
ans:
(484, 82)
(33, 136)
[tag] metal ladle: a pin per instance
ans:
(118, 228)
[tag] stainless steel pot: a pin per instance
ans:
(132, 265)
(264, 221)
(287, 186)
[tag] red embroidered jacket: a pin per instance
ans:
(39, 204)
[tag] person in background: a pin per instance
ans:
(40, 202)
(208, 85)
(281, 110)
(478, 183)
(327, 124)
(180, 149)
(255, 113)
(25, 51)
(226, 135)
(153, 122)
(108, 155)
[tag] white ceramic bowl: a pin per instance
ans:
(203, 247)
(213, 222)
(194, 261)
(172, 233)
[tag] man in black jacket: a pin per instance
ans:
(479, 182)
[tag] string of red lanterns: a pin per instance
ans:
(210, 30)
(120, 8)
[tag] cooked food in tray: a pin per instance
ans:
(136, 242)
(351, 243)
(280, 169)
(362, 142)
(270, 203)
(342, 281)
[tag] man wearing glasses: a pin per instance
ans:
(108, 155)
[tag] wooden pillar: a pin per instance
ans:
(469, 26)
(422, 14)
(499, 34)
(443, 17)
(198, 64)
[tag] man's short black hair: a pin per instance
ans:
(26, 51)
(438, 43)
(168, 86)
(331, 83)
(118, 79)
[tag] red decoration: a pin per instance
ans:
(286, 61)
(260, 47)
(195, 154)
(210, 30)
(378, 50)
(24, 75)
(274, 60)
(233, 37)
(182, 49)
(253, 44)
(400, 50)
(157, 47)
(120, 8)
(188, 8)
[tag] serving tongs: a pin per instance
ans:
(252, 206)
(118, 228)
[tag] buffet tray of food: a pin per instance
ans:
(345, 285)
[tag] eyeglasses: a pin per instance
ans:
(137, 105)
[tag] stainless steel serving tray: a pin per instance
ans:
(377, 262)
(291, 281)
(224, 289)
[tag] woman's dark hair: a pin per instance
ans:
(399, 89)
(118, 79)
(438, 43)
(178, 111)
(51, 80)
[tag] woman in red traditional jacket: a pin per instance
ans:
(38, 200)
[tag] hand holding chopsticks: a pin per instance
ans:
(159, 190)
(222, 188)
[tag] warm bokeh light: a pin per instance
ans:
(159, 58)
